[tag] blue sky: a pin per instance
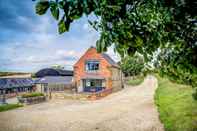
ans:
(29, 42)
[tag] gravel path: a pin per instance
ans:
(131, 109)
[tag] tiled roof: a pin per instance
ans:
(109, 59)
(104, 55)
(55, 80)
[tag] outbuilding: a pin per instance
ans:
(13, 85)
(54, 83)
(53, 80)
(10, 87)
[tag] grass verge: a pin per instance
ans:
(135, 81)
(9, 107)
(177, 108)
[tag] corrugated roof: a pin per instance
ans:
(65, 72)
(53, 72)
(55, 80)
(15, 82)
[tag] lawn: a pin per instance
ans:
(135, 81)
(9, 107)
(177, 108)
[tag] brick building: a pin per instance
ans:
(96, 72)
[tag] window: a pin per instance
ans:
(92, 65)
(93, 83)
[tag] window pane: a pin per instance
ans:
(93, 83)
(87, 83)
(92, 65)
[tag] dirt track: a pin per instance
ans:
(131, 109)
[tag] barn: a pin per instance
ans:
(53, 80)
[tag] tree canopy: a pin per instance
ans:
(142, 26)
(132, 66)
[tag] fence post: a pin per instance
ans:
(50, 93)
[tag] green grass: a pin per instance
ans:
(177, 108)
(9, 107)
(34, 94)
(136, 81)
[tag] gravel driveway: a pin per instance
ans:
(131, 109)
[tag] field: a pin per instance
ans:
(14, 75)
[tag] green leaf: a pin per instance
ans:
(98, 46)
(62, 4)
(76, 12)
(42, 7)
(114, 7)
(55, 12)
(88, 6)
(54, 9)
(67, 24)
(62, 27)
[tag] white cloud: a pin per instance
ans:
(44, 47)
(64, 53)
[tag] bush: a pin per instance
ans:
(9, 107)
(35, 94)
(132, 65)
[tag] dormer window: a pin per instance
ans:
(92, 65)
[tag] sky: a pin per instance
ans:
(29, 42)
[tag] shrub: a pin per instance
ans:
(34, 94)
(132, 65)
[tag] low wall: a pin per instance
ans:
(100, 94)
(32, 100)
(11, 95)
(83, 95)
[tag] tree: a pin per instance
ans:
(139, 26)
(173, 64)
(57, 67)
(132, 66)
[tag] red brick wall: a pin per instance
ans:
(79, 67)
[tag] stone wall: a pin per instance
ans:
(32, 100)
(117, 83)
